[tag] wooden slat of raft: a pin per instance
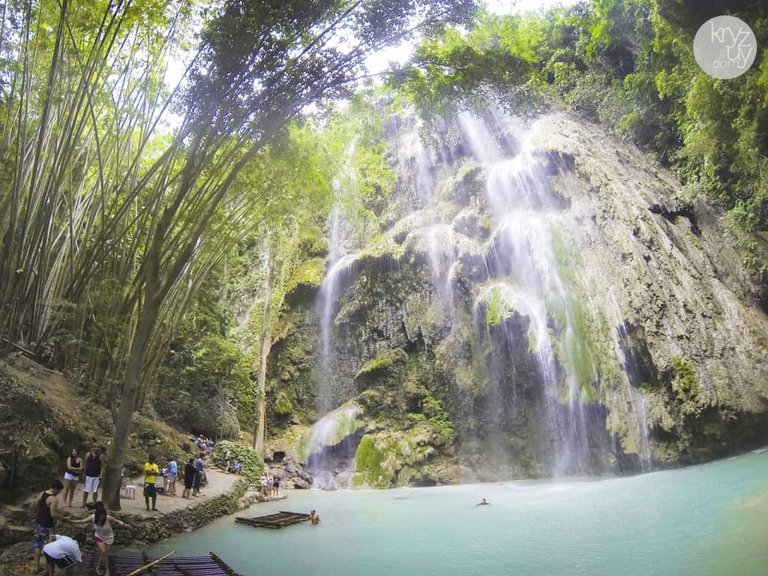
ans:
(277, 520)
(211, 565)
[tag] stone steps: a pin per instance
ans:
(18, 515)
(14, 533)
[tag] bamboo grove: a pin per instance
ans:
(111, 219)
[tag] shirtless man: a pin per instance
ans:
(314, 517)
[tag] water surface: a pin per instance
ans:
(710, 519)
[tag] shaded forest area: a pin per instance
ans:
(151, 229)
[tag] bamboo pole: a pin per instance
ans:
(150, 564)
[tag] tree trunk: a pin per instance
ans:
(261, 418)
(266, 346)
(118, 449)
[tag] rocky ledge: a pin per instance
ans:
(16, 560)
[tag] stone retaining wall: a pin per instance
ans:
(16, 559)
(156, 528)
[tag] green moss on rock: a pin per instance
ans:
(331, 430)
(685, 384)
(310, 273)
(368, 460)
(381, 368)
(382, 457)
(582, 341)
(439, 417)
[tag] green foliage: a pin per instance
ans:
(437, 415)
(308, 273)
(283, 404)
(453, 68)
(364, 177)
(685, 382)
(498, 308)
(251, 465)
(203, 369)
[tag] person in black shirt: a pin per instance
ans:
(45, 518)
(189, 477)
(93, 466)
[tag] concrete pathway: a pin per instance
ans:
(218, 483)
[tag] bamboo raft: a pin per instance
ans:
(210, 565)
(275, 521)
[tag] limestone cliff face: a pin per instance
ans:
(686, 312)
(541, 300)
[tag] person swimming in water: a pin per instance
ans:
(483, 502)
(314, 517)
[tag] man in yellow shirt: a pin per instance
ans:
(151, 470)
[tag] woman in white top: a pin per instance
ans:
(102, 533)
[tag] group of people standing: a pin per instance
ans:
(62, 551)
(270, 485)
(92, 466)
(194, 475)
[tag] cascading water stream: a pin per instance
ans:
(637, 401)
(325, 307)
(487, 228)
(523, 251)
(330, 447)
(323, 462)
(339, 266)
(418, 164)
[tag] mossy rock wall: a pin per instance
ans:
(653, 334)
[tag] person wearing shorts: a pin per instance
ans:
(189, 477)
(45, 518)
(151, 470)
(93, 465)
(103, 534)
(74, 466)
(63, 552)
(173, 472)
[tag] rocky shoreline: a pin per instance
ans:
(17, 559)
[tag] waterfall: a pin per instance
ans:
(523, 251)
(637, 401)
(320, 456)
(339, 267)
(417, 164)
(496, 309)
(329, 448)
